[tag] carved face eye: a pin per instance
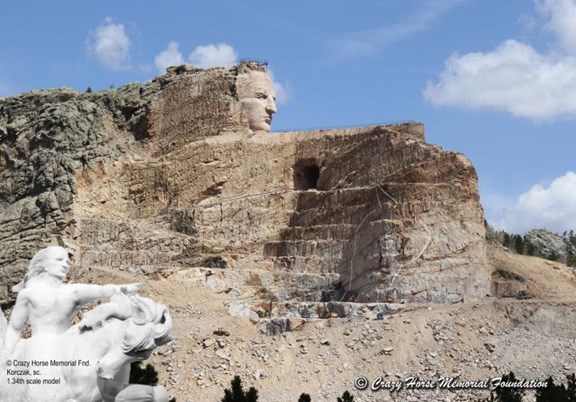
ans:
(261, 95)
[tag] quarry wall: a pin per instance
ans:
(166, 177)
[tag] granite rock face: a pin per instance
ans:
(45, 138)
(165, 177)
(550, 244)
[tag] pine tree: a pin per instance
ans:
(346, 397)
(504, 394)
(145, 376)
(552, 392)
(506, 240)
(304, 398)
(571, 388)
(570, 240)
(237, 394)
(519, 244)
(570, 237)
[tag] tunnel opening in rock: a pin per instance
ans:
(306, 174)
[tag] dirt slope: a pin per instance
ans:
(474, 340)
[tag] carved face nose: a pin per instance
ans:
(271, 106)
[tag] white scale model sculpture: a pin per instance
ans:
(87, 362)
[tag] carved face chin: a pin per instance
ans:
(257, 99)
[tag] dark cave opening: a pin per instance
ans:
(306, 175)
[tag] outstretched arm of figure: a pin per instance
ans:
(96, 317)
(85, 293)
(18, 320)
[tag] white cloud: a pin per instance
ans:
(220, 55)
(283, 90)
(552, 207)
(169, 57)
(368, 43)
(514, 77)
(111, 45)
(561, 15)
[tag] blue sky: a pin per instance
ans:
(494, 80)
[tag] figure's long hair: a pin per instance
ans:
(37, 265)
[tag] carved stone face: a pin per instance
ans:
(257, 99)
(57, 263)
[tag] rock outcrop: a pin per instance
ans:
(165, 178)
(550, 245)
